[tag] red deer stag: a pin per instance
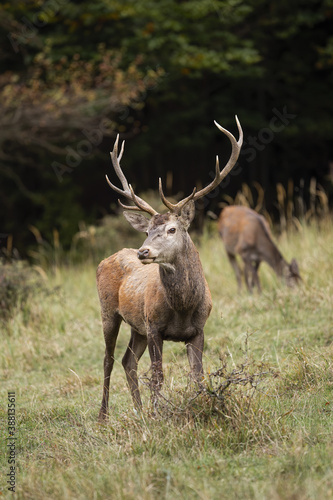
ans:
(247, 233)
(159, 290)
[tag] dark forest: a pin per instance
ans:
(74, 74)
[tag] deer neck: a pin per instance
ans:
(183, 280)
(282, 267)
(276, 260)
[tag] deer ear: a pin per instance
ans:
(187, 214)
(138, 221)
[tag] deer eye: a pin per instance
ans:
(172, 230)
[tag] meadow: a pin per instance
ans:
(262, 428)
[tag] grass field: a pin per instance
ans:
(272, 442)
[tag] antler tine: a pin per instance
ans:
(174, 207)
(121, 150)
(219, 176)
(236, 147)
(140, 203)
(127, 190)
(128, 207)
(116, 163)
(163, 198)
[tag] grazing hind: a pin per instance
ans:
(247, 233)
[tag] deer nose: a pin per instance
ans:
(143, 253)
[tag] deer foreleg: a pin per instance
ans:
(194, 354)
(110, 330)
(248, 272)
(255, 276)
(155, 346)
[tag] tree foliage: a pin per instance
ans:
(75, 73)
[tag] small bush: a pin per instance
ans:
(228, 395)
(111, 235)
(18, 282)
(97, 243)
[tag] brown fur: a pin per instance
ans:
(159, 290)
(247, 233)
(169, 300)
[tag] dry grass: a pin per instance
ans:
(231, 440)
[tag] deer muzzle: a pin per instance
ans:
(144, 256)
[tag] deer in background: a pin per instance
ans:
(159, 290)
(247, 233)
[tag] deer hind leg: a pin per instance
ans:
(194, 354)
(236, 268)
(134, 351)
(110, 329)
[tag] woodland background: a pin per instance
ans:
(74, 74)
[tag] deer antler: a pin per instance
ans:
(127, 190)
(142, 205)
(219, 175)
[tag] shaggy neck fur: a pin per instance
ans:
(183, 280)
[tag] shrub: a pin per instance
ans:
(229, 396)
(18, 282)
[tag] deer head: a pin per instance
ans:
(167, 233)
(292, 274)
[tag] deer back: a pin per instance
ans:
(243, 230)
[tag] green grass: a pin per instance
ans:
(272, 443)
